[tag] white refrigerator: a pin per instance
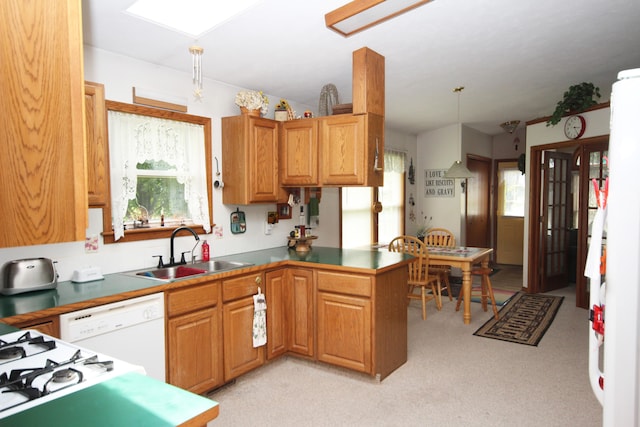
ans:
(621, 355)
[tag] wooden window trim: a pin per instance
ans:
(139, 234)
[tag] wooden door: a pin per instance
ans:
(276, 284)
(239, 354)
(194, 351)
(478, 212)
(263, 160)
(299, 152)
(556, 220)
(300, 320)
(592, 166)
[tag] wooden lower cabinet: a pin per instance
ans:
(194, 338)
(46, 325)
(344, 331)
(290, 324)
(239, 354)
(361, 320)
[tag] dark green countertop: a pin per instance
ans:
(131, 399)
(68, 293)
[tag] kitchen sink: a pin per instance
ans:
(188, 270)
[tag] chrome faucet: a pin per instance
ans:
(173, 235)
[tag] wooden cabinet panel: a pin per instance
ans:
(42, 122)
(241, 286)
(46, 325)
(192, 298)
(299, 152)
(352, 150)
(344, 331)
(195, 350)
(344, 283)
(276, 283)
(300, 320)
(239, 354)
(368, 82)
(249, 160)
(97, 145)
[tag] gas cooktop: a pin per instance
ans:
(36, 368)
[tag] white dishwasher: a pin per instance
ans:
(130, 330)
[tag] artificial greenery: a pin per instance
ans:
(577, 99)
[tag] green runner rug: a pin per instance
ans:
(524, 320)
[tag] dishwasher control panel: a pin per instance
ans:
(103, 319)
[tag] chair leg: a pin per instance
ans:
(493, 300)
(459, 300)
(424, 303)
(447, 285)
(483, 291)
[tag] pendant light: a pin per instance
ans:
(457, 169)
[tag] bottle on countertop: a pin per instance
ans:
(205, 251)
(303, 222)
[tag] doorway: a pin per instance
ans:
(560, 211)
(509, 200)
(478, 208)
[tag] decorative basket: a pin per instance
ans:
(245, 110)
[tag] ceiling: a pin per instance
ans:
(515, 58)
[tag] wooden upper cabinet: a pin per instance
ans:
(249, 160)
(352, 150)
(43, 175)
(299, 152)
(368, 82)
(97, 145)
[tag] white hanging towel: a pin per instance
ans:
(259, 319)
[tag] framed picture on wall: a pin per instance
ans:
(284, 211)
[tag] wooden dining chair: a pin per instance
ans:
(419, 276)
(441, 237)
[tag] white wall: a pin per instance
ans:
(438, 149)
(119, 74)
(541, 134)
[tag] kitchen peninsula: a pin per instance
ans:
(343, 307)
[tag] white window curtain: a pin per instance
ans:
(390, 220)
(135, 139)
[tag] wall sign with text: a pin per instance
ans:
(436, 185)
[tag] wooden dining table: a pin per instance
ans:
(462, 257)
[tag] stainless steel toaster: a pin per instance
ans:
(27, 275)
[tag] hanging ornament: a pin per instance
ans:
(196, 59)
(412, 173)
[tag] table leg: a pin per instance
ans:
(466, 293)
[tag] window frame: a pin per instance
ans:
(139, 234)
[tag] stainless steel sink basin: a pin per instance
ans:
(214, 266)
(166, 274)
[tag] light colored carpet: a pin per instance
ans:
(451, 378)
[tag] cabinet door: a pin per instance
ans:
(195, 351)
(239, 354)
(263, 160)
(299, 152)
(44, 195)
(300, 319)
(276, 285)
(344, 331)
(97, 145)
(342, 138)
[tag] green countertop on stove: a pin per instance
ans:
(130, 399)
(68, 292)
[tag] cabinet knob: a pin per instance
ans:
(258, 280)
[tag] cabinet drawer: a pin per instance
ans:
(240, 287)
(344, 283)
(192, 298)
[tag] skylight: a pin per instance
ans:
(191, 17)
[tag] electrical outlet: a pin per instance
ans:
(267, 228)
